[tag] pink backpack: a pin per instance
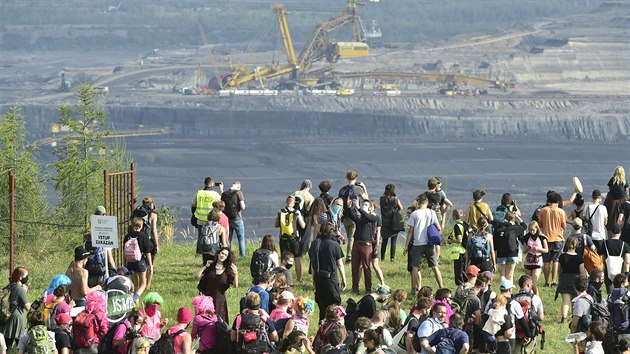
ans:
(132, 250)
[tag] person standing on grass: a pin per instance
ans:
(202, 202)
(478, 209)
(234, 206)
(365, 242)
(289, 220)
(390, 204)
(216, 277)
(140, 267)
(614, 248)
(326, 260)
(572, 265)
(552, 220)
(617, 191)
(14, 326)
(417, 246)
(534, 247)
(597, 215)
(353, 190)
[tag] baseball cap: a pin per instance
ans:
(615, 229)
(597, 193)
(577, 223)
(506, 284)
(63, 318)
(100, 210)
(287, 295)
(472, 270)
(488, 274)
(80, 253)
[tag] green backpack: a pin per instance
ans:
(39, 342)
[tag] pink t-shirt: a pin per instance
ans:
(177, 340)
(225, 222)
(119, 333)
(152, 326)
(279, 313)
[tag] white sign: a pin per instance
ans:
(104, 231)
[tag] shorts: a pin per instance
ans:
(507, 260)
(414, 258)
(292, 245)
(555, 249)
(532, 266)
(137, 267)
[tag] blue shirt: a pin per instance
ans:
(264, 296)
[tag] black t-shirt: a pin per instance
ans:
(350, 192)
(616, 247)
(414, 323)
(327, 256)
(388, 206)
(570, 263)
(367, 306)
(617, 190)
(505, 239)
(505, 326)
(143, 241)
(366, 224)
(62, 340)
(625, 210)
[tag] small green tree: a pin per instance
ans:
(82, 155)
(16, 156)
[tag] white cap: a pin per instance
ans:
(287, 295)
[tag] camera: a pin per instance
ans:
(218, 183)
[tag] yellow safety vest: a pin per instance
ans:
(204, 201)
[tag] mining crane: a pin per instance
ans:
(317, 47)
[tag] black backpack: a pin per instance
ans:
(223, 343)
(95, 264)
(252, 335)
(261, 262)
(447, 343)
(231, 207)
(144, 213)
(587, 228)
(166, 343)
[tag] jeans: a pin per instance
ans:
(238, 227)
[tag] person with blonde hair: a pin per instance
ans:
(572, 264)
(617, 192)
(534, 246)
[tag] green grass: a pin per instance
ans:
(174, 280)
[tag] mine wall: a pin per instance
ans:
(361, 118)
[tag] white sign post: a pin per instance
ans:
(104, 234)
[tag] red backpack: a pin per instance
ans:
(85, 329)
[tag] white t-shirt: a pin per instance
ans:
(428, 327)
(598, 217)
(420, 220)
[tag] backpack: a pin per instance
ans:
(166, 343)
(447, 343)
(5, 304)
(287, 223)
(49, 312)
(592, 259)
(209, 242)
(252, 335)
(231, 207)
(347, 193)
(243, 301)
(106, 345)
(587, 227)
(525, 299)
(144, 212)
(300, 203)
(95, 263)
(321, 338)
(433, 236)
(39, 342)
(619, 312)
(614, 264)
(599, 312)
(84, 329)
(537, 212)
(352, 314)
(132, 250)
(478, 247)
(261, 262)
(434, 199)
(498, 216)
(415, 341)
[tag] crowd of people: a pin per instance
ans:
(577, 246)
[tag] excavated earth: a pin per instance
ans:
(566, 114)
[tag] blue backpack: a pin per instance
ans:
(498, 216)
(478, 247)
